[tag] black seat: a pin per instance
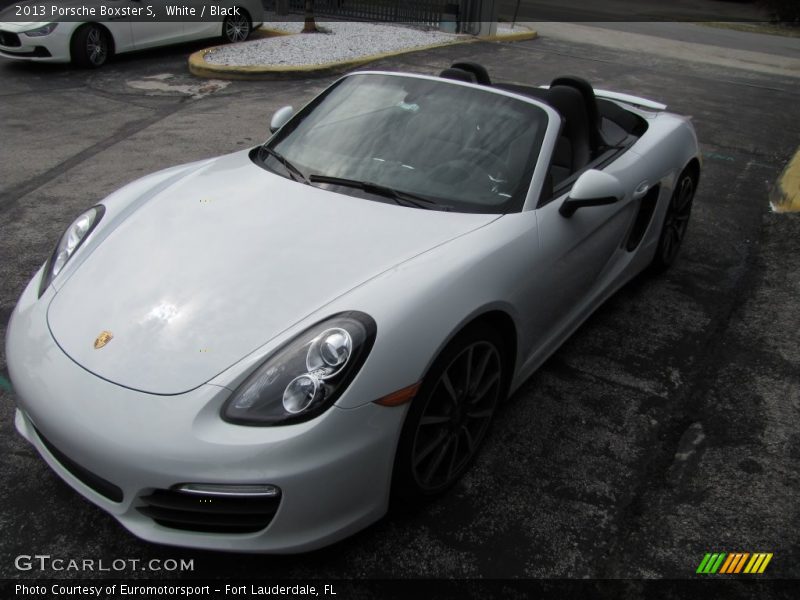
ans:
(596, 141)
(479, 71)
(573, 148)
(459, 75)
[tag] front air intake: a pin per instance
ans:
(209, 513)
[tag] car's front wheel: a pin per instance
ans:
(676, 220)
(450, 415)
(236, 28)
(90, 47)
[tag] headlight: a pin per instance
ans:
(70, 241)
(41, 31)
(306, 376)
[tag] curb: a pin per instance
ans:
(785, 196)
(199, 67)
(522, 36)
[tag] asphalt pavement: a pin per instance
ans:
(665, 428)
(632, 10)
(702, 33)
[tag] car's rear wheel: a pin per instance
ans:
(236, 28)
(90, 46)
(450, 415)
(676, 220)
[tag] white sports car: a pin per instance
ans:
(90, 44)
(256, 352)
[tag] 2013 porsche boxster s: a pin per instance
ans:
(256, 352)
(49, 32)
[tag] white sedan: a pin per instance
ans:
(91, 43)
(254, 352)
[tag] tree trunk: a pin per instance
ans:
(310, 25)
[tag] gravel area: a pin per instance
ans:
(342, 41)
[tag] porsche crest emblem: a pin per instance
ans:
(102, 339)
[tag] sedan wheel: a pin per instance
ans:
(236, 28)
(90, 47)
(451, 415)
(676, 221)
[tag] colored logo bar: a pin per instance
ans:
(729, 563)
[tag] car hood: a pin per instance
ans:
(220, 262)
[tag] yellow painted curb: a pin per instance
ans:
(785, 196)
(200, 67)
(521, 36)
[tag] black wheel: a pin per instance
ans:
(236, 28)
(450, 416)
(90, 47)
(676, 220)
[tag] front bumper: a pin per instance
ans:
(47, 48)
(334, 471)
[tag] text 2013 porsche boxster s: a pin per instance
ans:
(255, 352)
(49, 33)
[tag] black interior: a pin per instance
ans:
(459, 75)
(593, 130)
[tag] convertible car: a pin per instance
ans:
(259, 351)
(91, 43)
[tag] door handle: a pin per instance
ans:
(641, 190)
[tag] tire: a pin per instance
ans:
(676, 221)
(237, 28)
(449, 417)
(90, 47)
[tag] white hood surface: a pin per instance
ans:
(219, 263)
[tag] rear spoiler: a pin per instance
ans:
(628, 98)
(635, 100)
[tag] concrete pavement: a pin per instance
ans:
(772, 57)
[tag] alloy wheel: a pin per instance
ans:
(96, 47)
(677, 219)
(237, 28)
(456, 416)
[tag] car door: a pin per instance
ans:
(155, 32)
(582, 255)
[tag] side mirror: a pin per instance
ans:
(593, 188)
(280, 117)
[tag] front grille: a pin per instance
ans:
(9, 39)
(98, 484)
(209, 513)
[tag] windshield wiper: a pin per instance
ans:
(402, 198)
(296, 173)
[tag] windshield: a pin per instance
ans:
(463, 148)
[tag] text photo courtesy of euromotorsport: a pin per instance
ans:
(125, 589)
(111, 10)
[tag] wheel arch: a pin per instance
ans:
(694, 166)
(496, 318)
(502, 322)
(112, 45)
